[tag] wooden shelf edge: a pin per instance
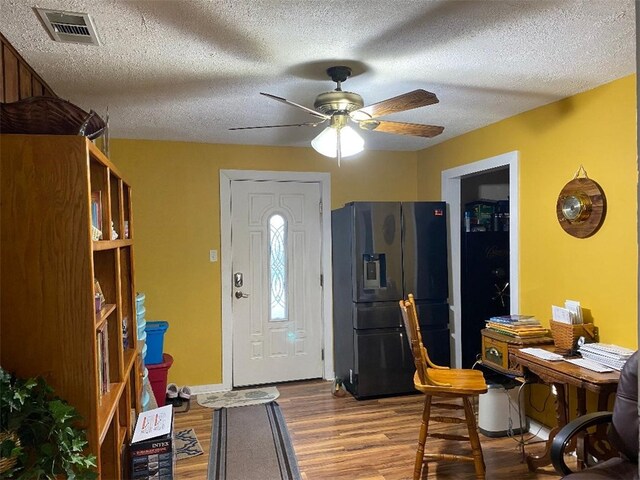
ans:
(122, 435)
(102, 158)
(130, 355)
(107, 408)
(104, 314)
(99, 245)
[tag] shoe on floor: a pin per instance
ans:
(175, 402)
(185, 393)
(172, 390)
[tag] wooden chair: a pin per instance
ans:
(431, 380)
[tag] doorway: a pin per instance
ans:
(484, 256)
(452, 194)
(321, 183)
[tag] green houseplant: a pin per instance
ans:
(49, 446)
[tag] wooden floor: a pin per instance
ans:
(343, 438)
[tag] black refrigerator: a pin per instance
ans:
(485, 287)
(382, 251)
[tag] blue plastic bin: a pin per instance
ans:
(155, 341)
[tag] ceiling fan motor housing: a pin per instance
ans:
(340, 107)
(338, 101)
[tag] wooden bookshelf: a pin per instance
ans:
(50, 260)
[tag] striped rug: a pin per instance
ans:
(251, 443)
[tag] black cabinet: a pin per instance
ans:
(485, 286)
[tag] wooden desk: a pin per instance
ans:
(562, 375)
(496, 348)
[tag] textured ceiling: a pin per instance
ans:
(188, 70)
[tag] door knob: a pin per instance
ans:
(239, 294)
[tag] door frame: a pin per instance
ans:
(451, 191)
(324, 180)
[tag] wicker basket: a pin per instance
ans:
(565, 336)
(8, 463)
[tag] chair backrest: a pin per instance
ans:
(412, 301)
(624, 431)
(411, 326)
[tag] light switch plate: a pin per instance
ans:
(213, 255)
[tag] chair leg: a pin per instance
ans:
(424, 427)
(478, 458)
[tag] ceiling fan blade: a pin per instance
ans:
(293, 104)
(308, 124)
(406, 101)
(402, 128)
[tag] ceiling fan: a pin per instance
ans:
(340, 108)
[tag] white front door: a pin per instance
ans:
(277, 298)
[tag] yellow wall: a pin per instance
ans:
(176, 211)
(176, 214)
(598, 130)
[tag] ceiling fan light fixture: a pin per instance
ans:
(339, 107)
(326, 143)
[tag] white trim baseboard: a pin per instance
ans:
(211, 388)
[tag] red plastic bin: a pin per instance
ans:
(158, 378)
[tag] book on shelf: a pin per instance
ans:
(100, 350)
(96, 215)
(98, 295)
(103, 359)
(125, 332)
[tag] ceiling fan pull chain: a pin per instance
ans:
(581, 169)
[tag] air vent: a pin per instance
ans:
(69, 27)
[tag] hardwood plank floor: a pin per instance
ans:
(343, 438)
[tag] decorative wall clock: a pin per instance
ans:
(581, 206)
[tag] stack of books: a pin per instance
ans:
(522, 326)
(612, 356)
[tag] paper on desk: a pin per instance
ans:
(574, 307)
(153, 423)
(560, 314)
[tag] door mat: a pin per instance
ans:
(238, 398)
(251, 443)
(187, 444)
